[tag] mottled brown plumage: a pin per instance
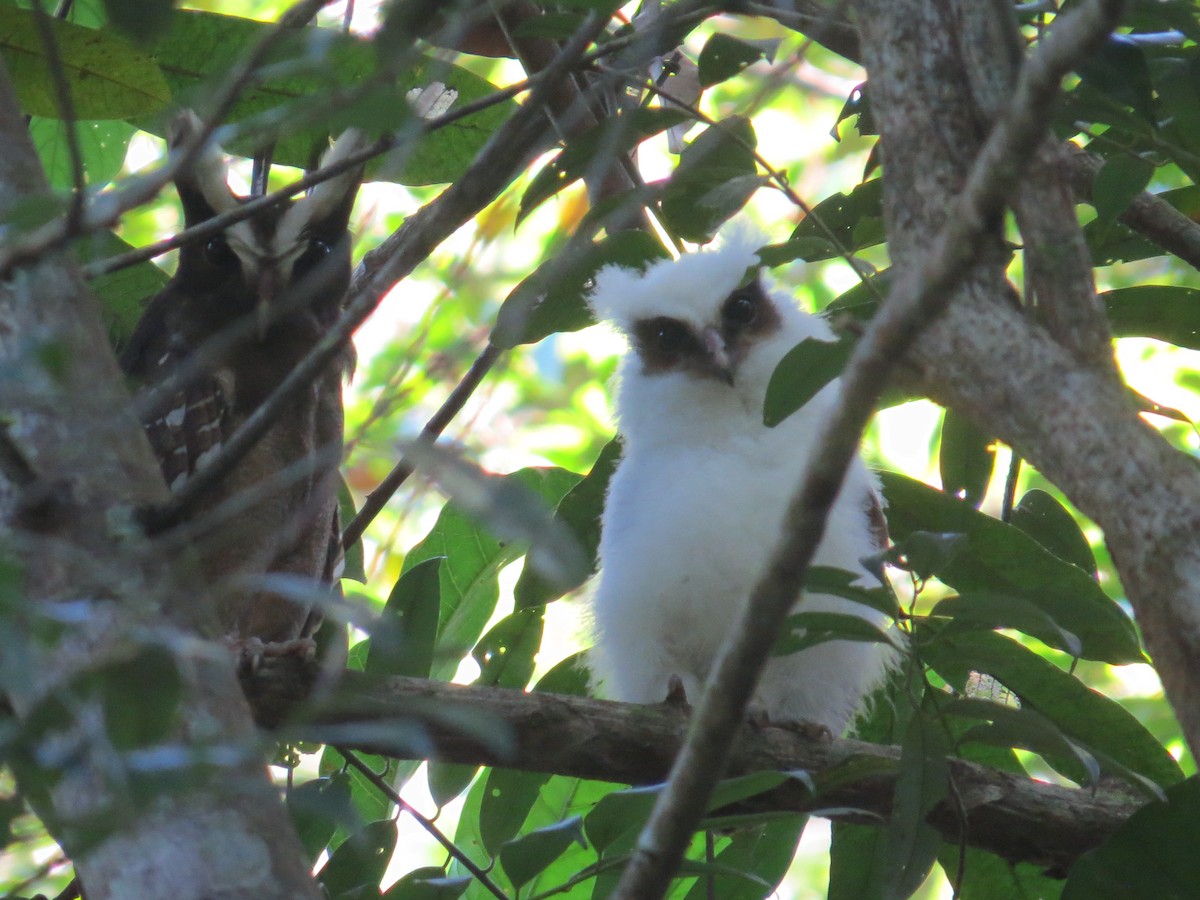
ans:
(278, 281)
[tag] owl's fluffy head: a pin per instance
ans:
(690, 289)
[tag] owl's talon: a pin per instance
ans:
(813, 731)
(251, 652)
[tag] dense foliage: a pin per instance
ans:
(1021, 651)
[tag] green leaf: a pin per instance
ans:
(716, 175)
(921, 784)
(506, 653)
(368, 802)
(808, 629)
(855, 861)
(615, 821)
(840, 583)
(1163, 312)
(142, 20)
(551, 26)
(508, 795)
(1085, 716)
(531, 853)
(853, 220)
(986, 610)
(200, 48)
(107, 78)
(594, 147)
(474, 557)
(428, 883)
(362, 859)
(318, 808)
(723, 57)
(765, 850)
(801, 374)
(579, 512)
(123, 294)
(554, 297)
(1120, 180)
(966, 459)
(1049, 523)
(1118, 69)
(1025, 729)
(448, 780)
(353, 564)
(102, 146)
(999, 558)
(1151, 855)
(402, 641)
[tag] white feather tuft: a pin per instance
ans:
(688, 288)
(209, 172)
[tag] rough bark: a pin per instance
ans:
(74, 467)
(1015, 817)
(1068, 416)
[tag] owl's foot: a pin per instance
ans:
(677, 695)
(250, 652)
(813, 731)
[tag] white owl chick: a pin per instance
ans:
(696, 505)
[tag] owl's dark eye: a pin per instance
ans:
(670, 337)
(313, 254)
(219, 254)
(741, 308)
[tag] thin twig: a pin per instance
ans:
(66, 109)
(424, 821)
(916, 297)
(383, 492)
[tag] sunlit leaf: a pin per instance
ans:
(107, 77)
(580, 512)
(402, 641)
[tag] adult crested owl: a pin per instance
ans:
(247, 305)
(696, 504)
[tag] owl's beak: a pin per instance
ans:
(716, 355)
(262, 310)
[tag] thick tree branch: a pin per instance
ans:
(1015, 817)
(918, 294)
(1070, 420)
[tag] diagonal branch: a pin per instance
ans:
(919, 294)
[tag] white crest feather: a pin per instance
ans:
(209, 172)
(622, 296)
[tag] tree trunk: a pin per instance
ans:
(1045, 392)
(74, 466)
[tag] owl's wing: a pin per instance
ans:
(198, 419)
